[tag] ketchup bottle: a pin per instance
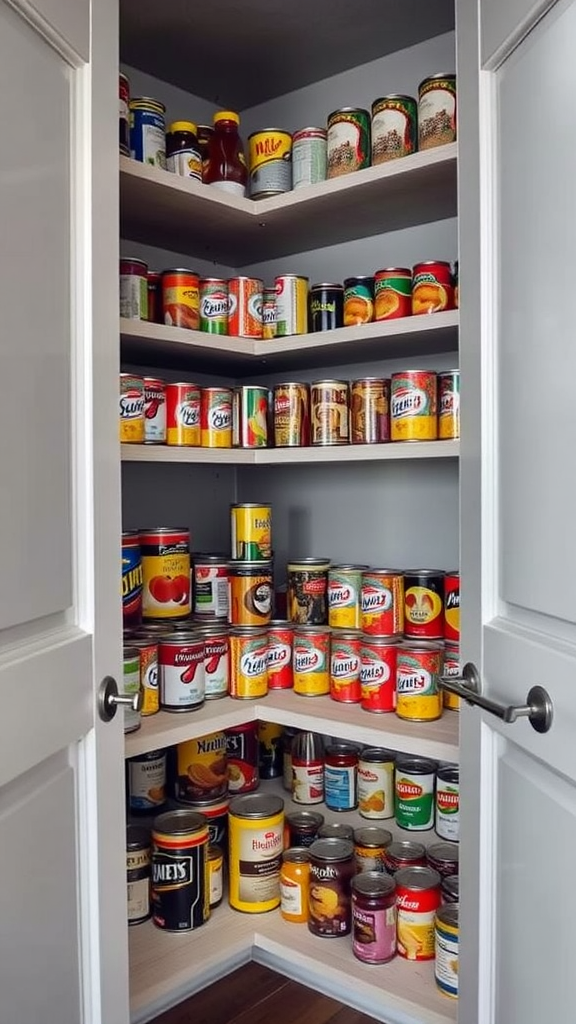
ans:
(226, 166)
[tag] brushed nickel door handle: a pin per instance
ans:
(538, 708)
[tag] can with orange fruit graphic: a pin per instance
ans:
(201, 769)
(358, 301)
(392, 293)
(376, 783)
(432, 288)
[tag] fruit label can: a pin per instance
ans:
(216, 662)
(131, 409)
(345, 666)
(250, 593)
(250, 417)
(394, 132)
(449, 405)
(311, 660)
(251, 529)
(378, 657)
(242, 751)
(376, 783)
(451, 668)
(291, 305)
(414, 780)
(131, 579)
(165, 573)
(269, 162)
(210, 585)
(201, 769)
(432, 287)
(447, 823)
(413, 406)
(452, 607)
(332, 868)
(182, 679)
(214, 305)
(216, 418)
(373, 918)
(424, 604)
(183, 415)
(358, 301)
(256, 824)
(418, 899)
(344, 586)
(131, 686)
(418, 671)
(146, 782)
(245, 299)
(382, 603)
(181, 299)
(291, 409)
(370, 411)
(148, 648)
(180, 894)
(280, 668)
(154, 410)
(392, 293)
(248, 663)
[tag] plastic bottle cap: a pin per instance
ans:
(183, 126)
(226, 115)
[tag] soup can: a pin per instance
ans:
(250, 593)
(326, 307)
(216, 813)
(291, 411)
(250, 416)
(201, 769)
(394, 127)
(373, 917)
(378, 659)
(370, 411)
(245, 297)
(181, 298)
(331, 873)
(446, 949)
(451, 668)
(418, 899)
(216, 417)
(148, 131)
(329, 412)
(370, 844)
(248, 662)
(280, 666)
(451, 889)
(443, 858)
(392, 293)
(214, 305)
(124, 118)
(131, 579)
(256, 824)
(413, 406)
(405, 854)
(243, 758)
(447, 820)
(269, 162)
(382, 603)
(348, 141)
(414, 781)
(294, 884)
(155, 313)
(344, 586)
(432, 288)
(131, 686)
(165, 572)
(436, 111)
(181, 669)
(146, 782)
(358, 301)
(216, 659)
(452, 606)
(424, 604)
(210, 585)
(133, 289)
(147, 647)
(180, 895)
(341, 777)
(137, 874)
(345, 666)
(291, 305)
(154, 411)
(311, 660)
(306, 595)
(376, 783)
(131, 409)
(301, 828)
(449, 405)
(418, 691)
(251, 531)
(183, 415)
(308, 157)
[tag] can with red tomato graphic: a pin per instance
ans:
(280, 641)
(154, 411)
(345, 666)
(382, 602)
(165, 553)
(452, 607)
(183, 415)
(181, 667)
(378, 657)
(424, 604)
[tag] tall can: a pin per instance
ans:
(183, 415)
(452, 606)
(348, 141)
(418, 691)
(243, 760)
(200, 769)
(331, 871)
(256, 823)
(154, 411)
(418, 899)
(446, 949)
(250, 416)
(280, 667)
(165, 572)
(370, 411)
(394, 127)
(345, 666)
(392, 293)
(309, 157)
(251, 531)
(269, 162)
(131, 686)
(413, 406)
(382, 602)
(436, 111)
(326, 307)
(291, 411)
(124, 114)
(269, 314)
(245, 297)
(181, 671)
(214, 305)
(414, 782)
(447, 818)
(216, 417)
(306, 596)
(180, 892)
(424, 604)
(378, 660)
(373, 917)
(376, 783)
(291, 305)
(449, 404)
(148, 131)
(210, 585)
(181, 298)
(312, 660)
(248, 663)
(329, 412)
(344, 587)
(131, 409)
(131, 579)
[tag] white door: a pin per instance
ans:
(517, 142)
(63, 942)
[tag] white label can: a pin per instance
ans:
(447, 820)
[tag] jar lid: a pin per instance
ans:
(226, 115)
(183, 126)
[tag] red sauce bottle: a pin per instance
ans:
(226, 165)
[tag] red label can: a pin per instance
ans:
(216, 661)
(424, 604)
(345, 666)
(242, 752)
(245, 299)
(181, 665)
(280, 641)
(378, 674)
(183, 415)
(392, 293)
(432, 287)
(382, 602)
(154, 411)
(452, 606)
(418, 898)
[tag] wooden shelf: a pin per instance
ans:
(162, 209)
(292, 456)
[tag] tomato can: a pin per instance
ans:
(370, 844)
(251, 530)
(154, 411)
(451, 668)
(370, 411)
(181, 298)
(146, 782)
(329, 412)
(155, 314)
(245, 297)
(180, 895)
(418, 899)
(446, 935)
(148, 131)
(311, 660)
(449, 405)
(452, 606)
(326, 307)
(344, 586)
(358, 301)
(413, 406)
(214, 305)
(248, 663)
(148, 648)
(345, 666)
(183, 415)
(405, 854)
(137, 874)
(291, 411)
(424, 604)
(210, 585)
(308, 157)
(165, 572)
(131, 409)
(243, 759)
(216, 417)
(378, 658)
(250, 416)
(250, 593)
(124, 114)
(443, 858)
(341, 777)
(348, 141)
(256, 823)
(394, 127)
(294, 884)
(376, 783)
(382, 602)
(280, 666)
(373, 917)
(291, 305)
(418, 691)
(331, 873)
(306, 596)
(301, 828)
(131, 579)
(216, 660)
(269, 162)
(392, 293)
(269, 314)
(432, 288)
(201, 769)
(133, 289)
(447, 819)
(181, 671)
(414, 781)
(436, 111)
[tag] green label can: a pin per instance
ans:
(131, 686)
(214, 305)
(414, 793)
(348, 141)
(394, 127)
(250, 417)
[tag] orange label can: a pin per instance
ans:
(432, 288)
(245, 301)
(413, 406)
(216, 418)
(248, 663)
(418, 694)
(345, 665)
(148, 648)
(131, 409)
(181, 299)
(382, 602)
(183, 415)
(250, 593)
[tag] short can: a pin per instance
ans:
(432, 288)
(326, 307)
(452, 606)
(214, 305)
(370, 410)
(424, 604)
(344, 586)
(165, 572)
(216, 417)
(413, 406)
(329, 412)
(378, 660)
(269, 314)
(215, 874)
(245, 297)
(269, 162)
(394, 127)
(331, 871)
(201, 769)
(124, 114)
(146, 782)
(131, 686)
(133, 289)
(216, 813)
(436, 111)
(348, 141)
(306, 596)
(414, 780)
(418, 899)
(154, 411)
(291, 413)
(337, 830)
(148, 648)
(256, 824)
(210, 573)
(376, 783)
(301, 828)
(451, 889)
(131, 409)
(370, 845)
(291, 305)
(405, 853)
(392, 293)
(137, 874)
(216, 660)
(131, 579)
(309, 157)
(341, 777)
(418, 690)
(181, 298)
(312, 660)
(280, 662)
(373, 917)
(451, 668)
(243, 758)
(358, 301)
(449, 405)
(183, 415)
(155, 314)
(447, 820)
(181, 671)
(180, 896)
(345, 666)
(294, 884)
(148, 131)
(446, 949)
(251, 531)
(250, 416)
(250, 593)
(443, 858)
(248, 662)
(382, 603)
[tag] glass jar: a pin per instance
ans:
(182, 150)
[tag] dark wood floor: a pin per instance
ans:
(256, 995)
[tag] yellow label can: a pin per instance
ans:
(248, 662)
(131, 409)
(270, 162)
(256, 840)
(251, 526)
(418, 694)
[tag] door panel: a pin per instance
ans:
(67, 22)
(505, 23)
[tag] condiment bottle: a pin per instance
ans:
(226, 165)
(182, 150)
(307, 768)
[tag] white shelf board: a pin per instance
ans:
(164, 729)
(391, 452)
(168, 453)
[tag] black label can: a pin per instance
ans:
(180, 890)
(331, 871)
(326, 307)
(138, 874)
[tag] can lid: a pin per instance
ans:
(178, 822)
(348, 110)
(393, 96)
(307, 563)
(349, 281)
(373, 883)
(299, 818)
(302, 132)
(443, 853)
(296, 855)
(406, 848)
(372, 835)
(448, 913)
(347, 568)
(256, 805)
(336, 830)
(416, 765)
(132, 259)
(378, 754)
(137, 837)
(440, 75)
(418, 878)
(332, 849)
(211, 558)
(262, 131)
(451, 885)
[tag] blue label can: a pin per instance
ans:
(148, 131)
(340, 777)
(131, 580)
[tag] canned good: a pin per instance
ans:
(344, 586)
(336, 830)
(180, 896)
(413, 406)
(306, 596)
(393, 293)
(450, 889)
(376, 783)
(280, 668)
(131, 686)
(216, 813)
(165, 572)
(301, 828)
(181, 670)
(418, 899)
(245, 307)
(287, 739)
(214, 305)
(183, 151)
(370, 843)
(405, 854)
(455, 278)
(133, 289)
(348, 141)
(382, 603)
(210, 585)
(248, 662)
(251, 529)
(449, 405)
(124, 114)
(331, 872)
(369, 411)
(183, 415)
(307, 784)
(250, 593)
(291, 305)
(250, 417)
(312, 660)
(294, 884)
(269, 162)
(436, 111)
(424, 603)
(154, 630)
(131, 579)
(329, 412)
(452, 606)
(446, 949)
(146, 782)
(414, 780)
(308, 157)
(451, 668)
(418, 691)
(137, 874)
(148, 131)
(291, 409)
(154, 411)
(373, 917)
(131, 409)
(147, 647)
(341, 777)
(201, 769)
(358, 301)
(269, 750)
(216, 661)
(243, 760)
(394, 127)
(443, 858)
(181, 298)
(326, 307)
(432, 289)
(155, 314)
(269, 314)
(256, 827)
(216, 417)
(345, 666)
(215, 874)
